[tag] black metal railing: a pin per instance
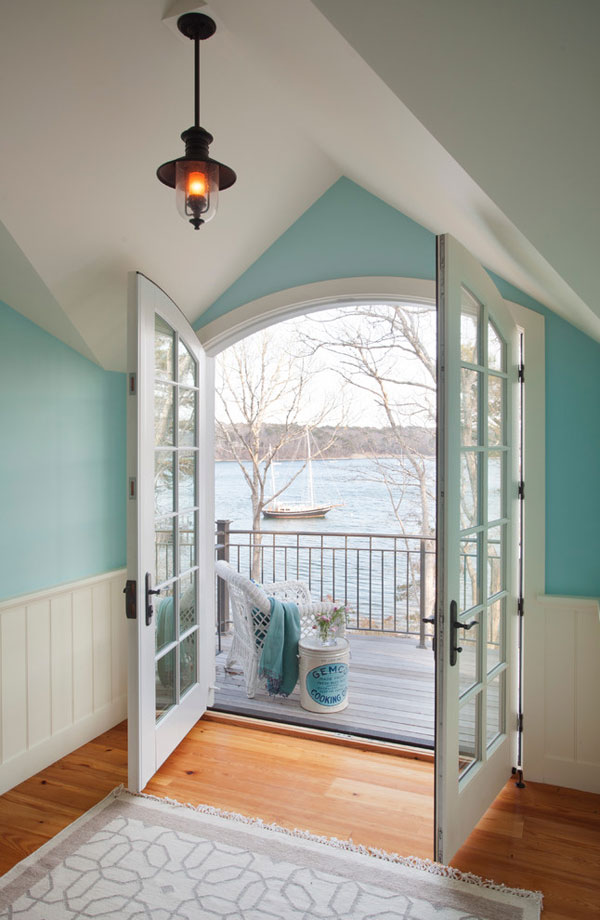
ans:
(387, 580)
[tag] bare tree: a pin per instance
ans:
(260, 384)
(388, 352)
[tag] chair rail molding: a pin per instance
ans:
(63, 666)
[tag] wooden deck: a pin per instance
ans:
(391, 693)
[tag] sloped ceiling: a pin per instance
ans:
(94, 95)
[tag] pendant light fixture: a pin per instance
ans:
(196, 177)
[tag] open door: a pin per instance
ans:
(476, 611)
(170, 540)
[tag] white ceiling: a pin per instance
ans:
(466, 130)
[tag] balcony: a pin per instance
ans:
(387, 580)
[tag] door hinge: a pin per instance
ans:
(130, 592)
(521, 606)
(132, 385)
(522, 373)
(520, 722)
(521, 490)
(131, 490)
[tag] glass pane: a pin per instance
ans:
(469, 407)
(496, 410)
(164, 559)
(187, 417)
(188, 371)
(494, 723)
(187, 541)
(164, 493)
(469, 489)
(495, 485)
(495, 552)
(468, 659)
(495, 637)
(188, 658)
(187, 606)
(163, 414)
(164, 618)
(187, 479)
(468, 732)
(495, 349)
(165, 682)
(470, 594)
(470, 312)
(164, 348)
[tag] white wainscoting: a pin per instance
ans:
(561, 683)
(63, 659)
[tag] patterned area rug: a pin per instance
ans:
(141, 857)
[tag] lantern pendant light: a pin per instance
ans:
(196, 177)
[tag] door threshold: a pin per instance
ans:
(395, 748)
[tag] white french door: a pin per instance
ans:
(476, 611)
(170, 544)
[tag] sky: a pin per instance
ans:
(327, 397)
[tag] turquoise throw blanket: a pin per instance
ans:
(279, 658)
(165, 633)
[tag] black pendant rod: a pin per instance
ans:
(197, 81)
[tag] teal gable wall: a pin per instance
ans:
(346, 233)
(62, 461)
(349, 233)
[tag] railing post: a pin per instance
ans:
(222, 590)
(422, 593)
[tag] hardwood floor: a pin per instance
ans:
(540, 837)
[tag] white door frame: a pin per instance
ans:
(281, 305)
(150, 742)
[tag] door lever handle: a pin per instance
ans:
(149, 590)
(455, 650)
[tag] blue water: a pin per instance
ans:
(374, 575)
(355, 485)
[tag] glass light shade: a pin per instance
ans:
(197, 190)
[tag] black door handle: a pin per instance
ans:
(455, 649)
(149, 591)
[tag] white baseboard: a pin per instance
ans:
(557, 771)
(40, 756)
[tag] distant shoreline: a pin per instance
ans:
(330, 459)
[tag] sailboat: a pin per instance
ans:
(298, 509)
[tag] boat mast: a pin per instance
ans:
(311, 486)
(272, 472)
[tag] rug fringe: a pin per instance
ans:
(413, 862)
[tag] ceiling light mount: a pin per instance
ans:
(196, 177)
(196, 26)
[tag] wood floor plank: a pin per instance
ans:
(540, 837)
(391, 691)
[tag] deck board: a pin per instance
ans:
(391, 693)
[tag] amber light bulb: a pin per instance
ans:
(197, 190)
(196, 184)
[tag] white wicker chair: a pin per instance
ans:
(251, 612)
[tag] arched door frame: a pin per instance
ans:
(250, 317)
(274, 308)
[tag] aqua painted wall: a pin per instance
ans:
(62, 461)
(349, 233)
(346, 233)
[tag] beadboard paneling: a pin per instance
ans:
(561, 690)
(64, 679)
